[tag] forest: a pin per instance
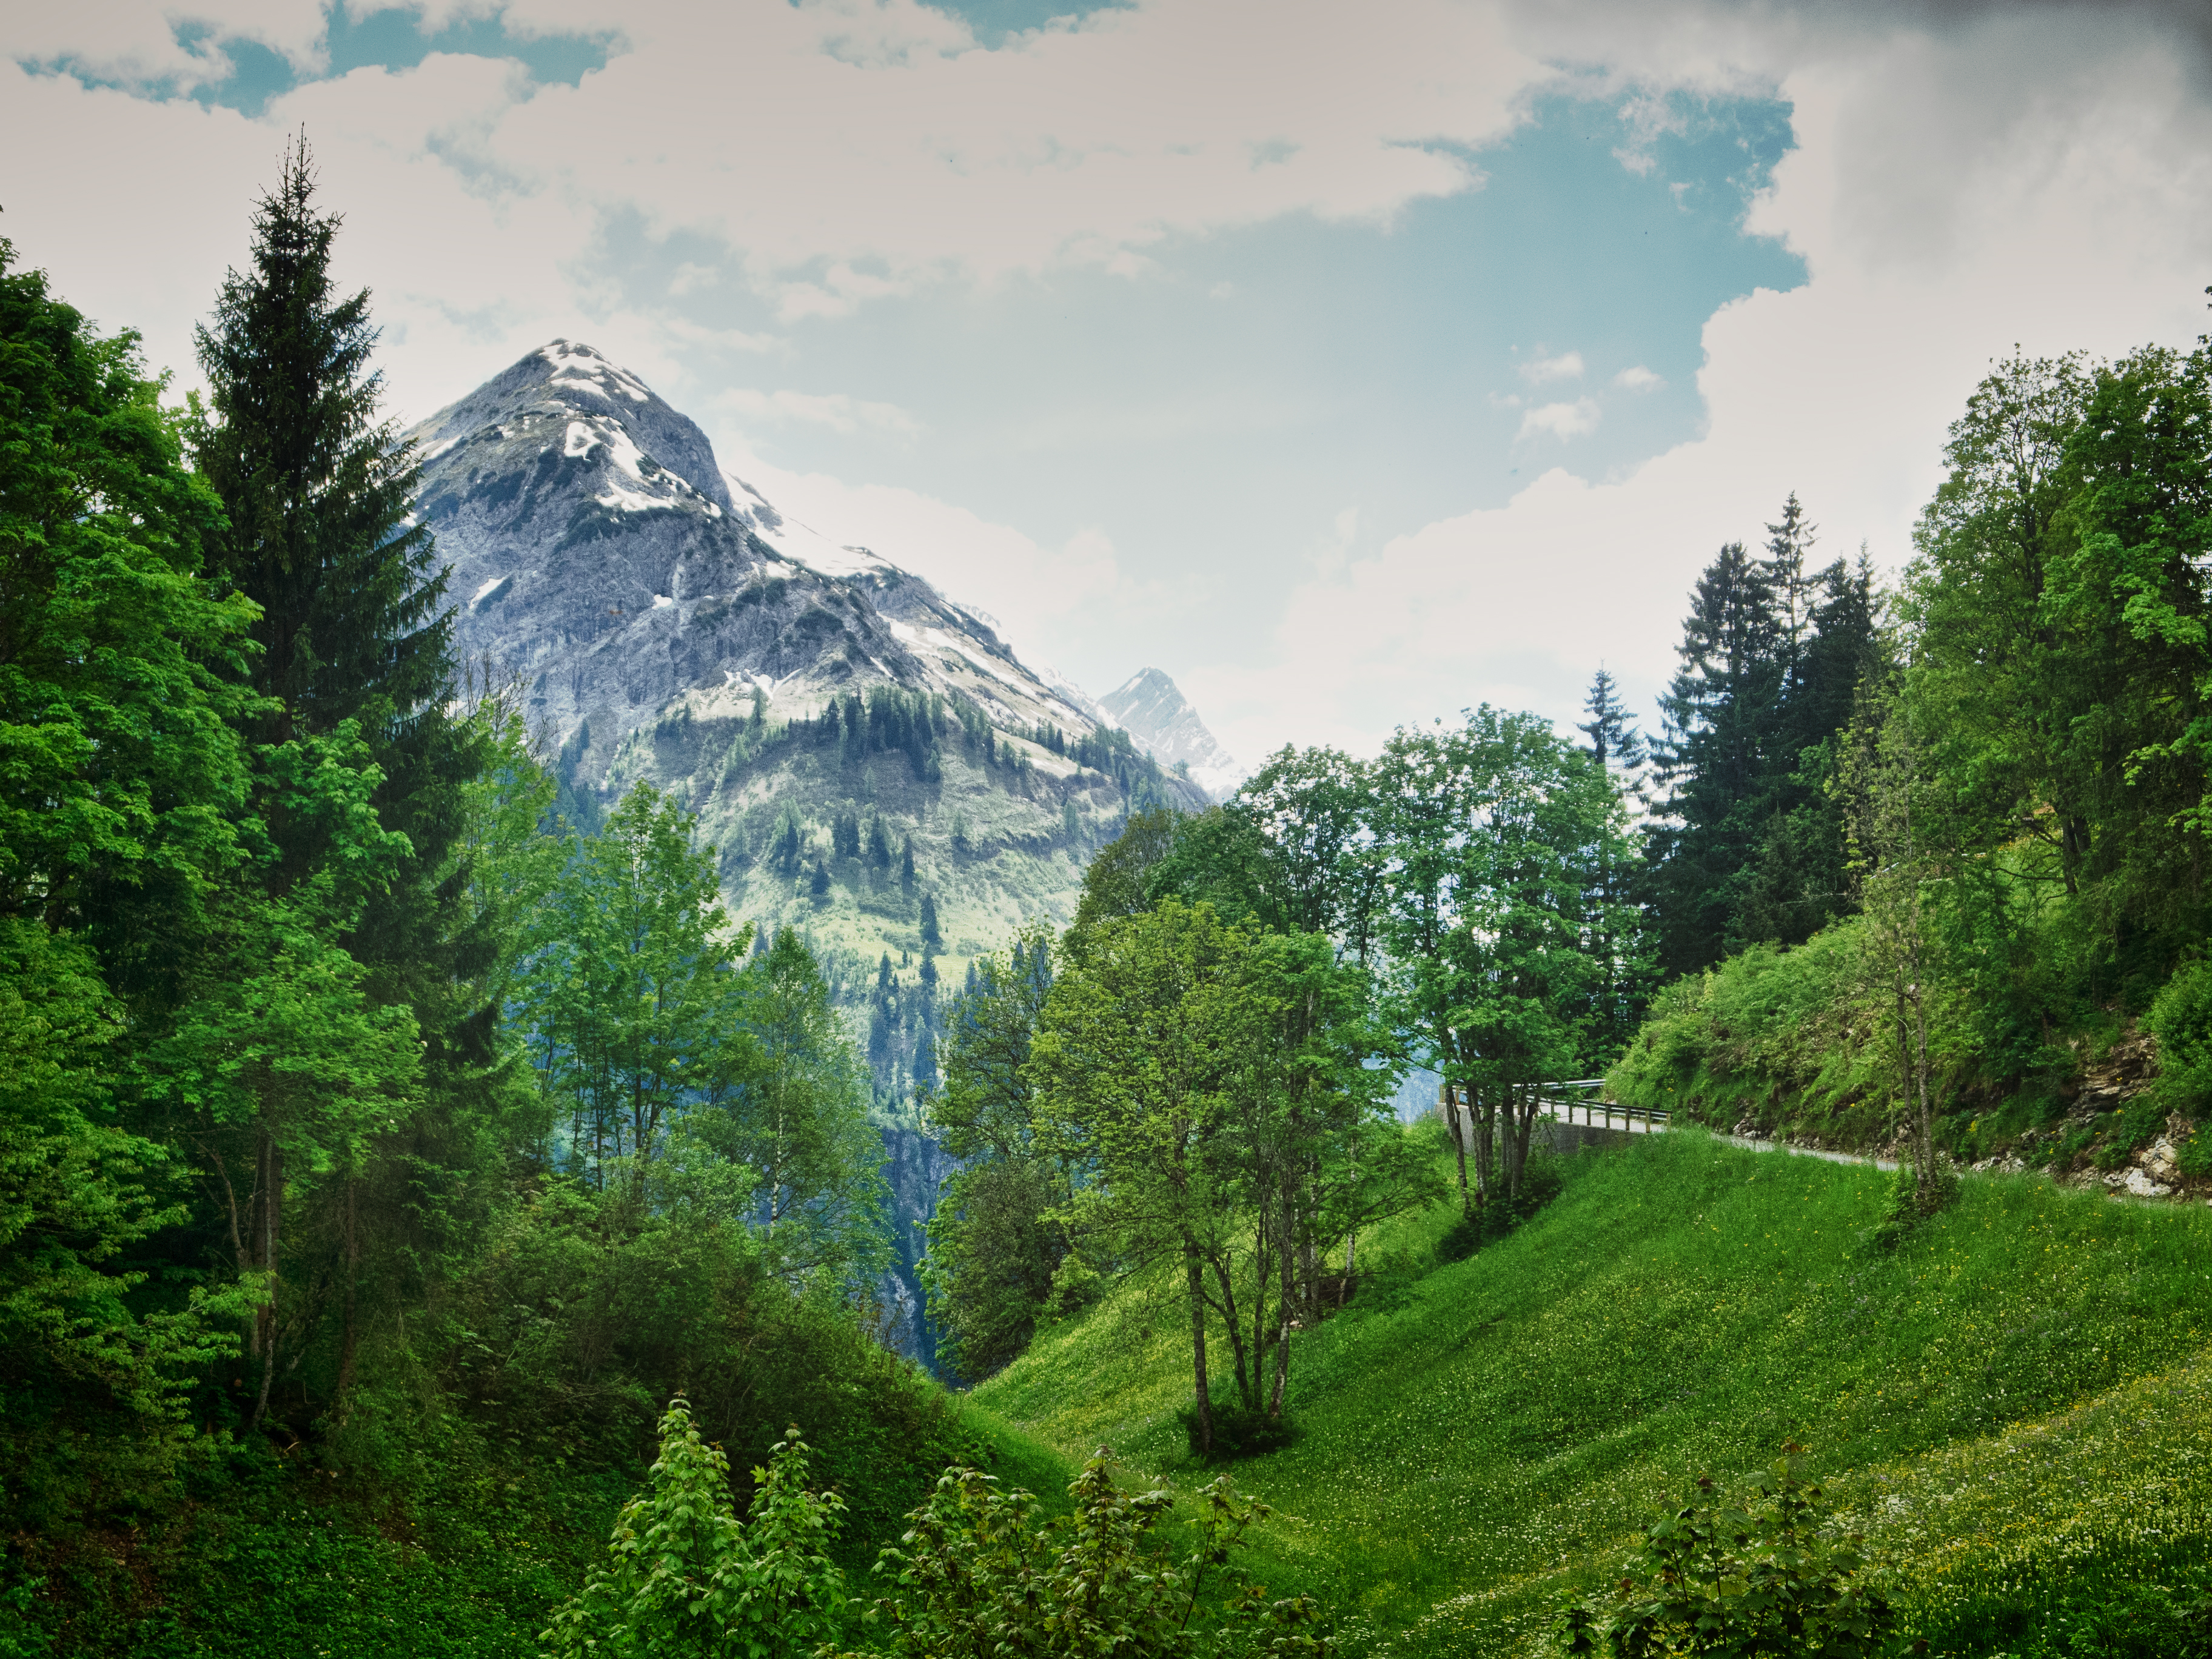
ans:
(416, 1193)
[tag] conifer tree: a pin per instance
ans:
(357, 923)
(320, 495)
(1714, 758)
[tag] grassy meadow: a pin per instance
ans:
(2014, 1405)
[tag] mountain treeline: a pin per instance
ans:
(356, 1114)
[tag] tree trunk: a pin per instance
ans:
(348, 1346)
(1283, 1336)
(1194, 1282)
(1462, 1127)
(272, 1162)
(1483, 1109)
(1246, 1376)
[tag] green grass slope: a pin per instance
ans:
(1482, 1438)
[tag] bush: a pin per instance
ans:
(1461, 1240)
(1541, 1181)
(976, 1574)
(1750, 1579)
(684, 1576)
(1239, 1431)
(2194, 1155)
(2181, 1019)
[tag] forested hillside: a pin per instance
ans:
(379, 1150)
(1966, 889)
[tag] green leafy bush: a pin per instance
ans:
(1461, 1240)
(1239, 1431)
(2181, 1019)
(976, 1574)
(1756, 1577)
(684, 1578)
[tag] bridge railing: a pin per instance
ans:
(1582, 1100)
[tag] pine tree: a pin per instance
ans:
(930, 936)
(320, 495)
(361, 782)
(1715, 758)
(1614, 742)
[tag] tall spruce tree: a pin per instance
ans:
(357, 911)
(1616, 880)
(1748, 845)
(320, 491)
(1715, 757)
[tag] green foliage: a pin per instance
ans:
(119, 774)
(978, 1573)
(684, 1576)
(2181, 1019)
(1231, 1430)
(1757, 1577)
(1747, 847)
(996, 1246)
(1499, 850)
(1223, 1098)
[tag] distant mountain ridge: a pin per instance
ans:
(1151, 708)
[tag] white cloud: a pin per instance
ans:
(1567, 366)
(822, 155)
(134, 42)
(1561, 420)
(836, 410)
(2033, 177)
(1637, 379)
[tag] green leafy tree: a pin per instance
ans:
(282, 1069)
(998, 1238)
(1115, 883)
(121, 777)
(1136, 1064)
(1759, 1577)
(684, 1577)
(629, 997)
(1493, 843)
(797, 1118)
(978, 1574)
(1282, 853)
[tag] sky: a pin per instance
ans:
(1352, 364)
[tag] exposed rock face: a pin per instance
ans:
(669, 624)
(1155, 713)
(598, 548)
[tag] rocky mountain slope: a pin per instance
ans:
(873, 764)
(1153, 711)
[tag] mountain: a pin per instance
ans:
(824, 712)
(1150, 709)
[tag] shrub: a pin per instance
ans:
(1239, 1431)
(977, 1575)
(2181, 1019)
(1747, 1580)
(1461, 1240)
(684, 1578)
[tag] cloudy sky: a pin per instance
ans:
(1353, 363)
